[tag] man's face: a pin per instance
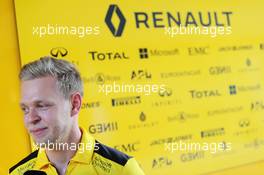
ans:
(46, 111)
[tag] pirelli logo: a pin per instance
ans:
(126, 101)
(213, 132)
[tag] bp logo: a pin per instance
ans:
(115, 10)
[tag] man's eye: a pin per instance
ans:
(25, 110)
(43, 106)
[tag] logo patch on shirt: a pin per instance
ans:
(102, 164)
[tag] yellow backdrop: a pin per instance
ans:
(214, 88)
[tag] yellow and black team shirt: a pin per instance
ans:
(101, 161)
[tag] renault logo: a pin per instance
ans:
(116, 31)
(58, 52)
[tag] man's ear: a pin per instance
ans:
(76, 102)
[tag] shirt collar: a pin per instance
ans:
(83, 154)
(85, 149)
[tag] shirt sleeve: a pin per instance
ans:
(132, 168)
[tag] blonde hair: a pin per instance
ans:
(67, 76)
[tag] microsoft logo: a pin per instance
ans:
(143, 53)
(232, 90)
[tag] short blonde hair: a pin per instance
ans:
(67, 76)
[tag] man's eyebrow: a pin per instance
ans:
(21, 104)
(38, 101)
(35, 102)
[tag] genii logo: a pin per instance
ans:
(113, 8)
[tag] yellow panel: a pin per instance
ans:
(14, 139)
(216, 83)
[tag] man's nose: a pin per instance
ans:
(33, 116)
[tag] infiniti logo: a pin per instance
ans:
(58, 51)
(122, 20)
(165, 92)
(244, 123)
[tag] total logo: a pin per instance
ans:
(110, 56)
(199, 94)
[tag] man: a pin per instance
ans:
(51, 99)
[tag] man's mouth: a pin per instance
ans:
(38, 131)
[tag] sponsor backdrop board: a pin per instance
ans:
(185, 77)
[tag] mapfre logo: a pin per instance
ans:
(58, 52)
(115, 10)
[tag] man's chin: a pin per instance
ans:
(40, 142)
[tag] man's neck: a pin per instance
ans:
(60, 158)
